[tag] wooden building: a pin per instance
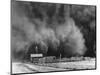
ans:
(35, 57)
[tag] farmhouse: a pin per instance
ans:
(38, 58)
(35, 57)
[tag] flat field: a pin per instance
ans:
(19, 67)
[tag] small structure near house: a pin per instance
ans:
(35, 57)
(49, 59)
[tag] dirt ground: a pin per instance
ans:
(19, 67)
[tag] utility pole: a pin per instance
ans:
(60, 57)
(36, 48)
